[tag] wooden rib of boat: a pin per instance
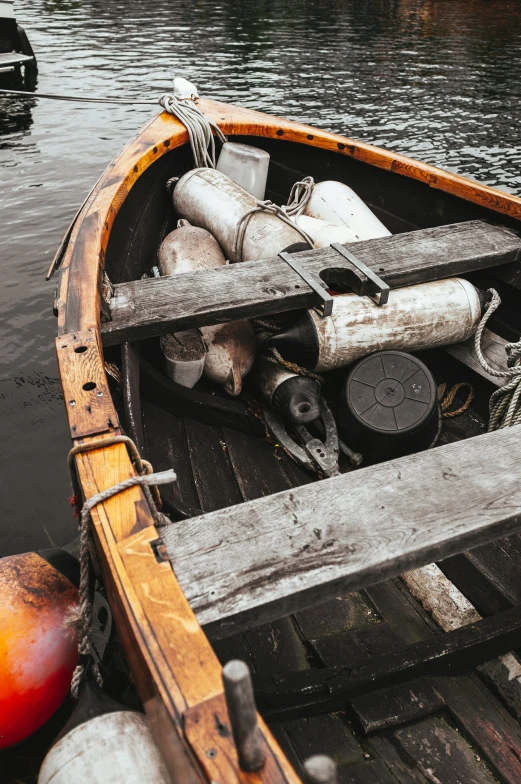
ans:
(365, 667)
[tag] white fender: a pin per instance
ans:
(188, 248)
(106, 749)
(427, 315)
(228, 350)
(416, 317)
(230, 354)
(324, 233)
(209, 199)
(337, 203)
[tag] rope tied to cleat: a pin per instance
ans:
(85, 620)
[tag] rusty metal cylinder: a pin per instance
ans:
(210, 200)
(295, 397)
(427, 315)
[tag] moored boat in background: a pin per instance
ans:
(15, 49)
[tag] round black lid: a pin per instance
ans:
(390, 393)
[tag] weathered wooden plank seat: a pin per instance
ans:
(263, 559)
(155, 306)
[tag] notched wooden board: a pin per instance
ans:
(85, 390)
(156, 306)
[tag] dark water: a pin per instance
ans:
(436, 79)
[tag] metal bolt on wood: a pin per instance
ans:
(320, 769)
(248, 738)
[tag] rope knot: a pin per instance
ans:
(199, 129)
(84, 622)
(299, 197)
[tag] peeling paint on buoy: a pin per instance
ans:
(38, 652)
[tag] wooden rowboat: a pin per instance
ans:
(301, 579)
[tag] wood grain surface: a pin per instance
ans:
(154, 306)
(86, 394)
(169, 654)
(493, 348)
(269, 557)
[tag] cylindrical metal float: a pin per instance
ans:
(416, 317)
(210, 200)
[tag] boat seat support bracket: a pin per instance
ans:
(380, 293)
(325, 308)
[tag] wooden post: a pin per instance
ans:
(243, 715)
(320, 769)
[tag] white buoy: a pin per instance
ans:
(103, 743)
(337, 203)
(209, 199)
(320, 769)
(224, 353)
(324, 233)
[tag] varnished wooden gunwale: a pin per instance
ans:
(172, 662)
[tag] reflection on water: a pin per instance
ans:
(436, 79)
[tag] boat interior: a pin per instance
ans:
(447, 724)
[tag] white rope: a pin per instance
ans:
(199, 129)
(505, 402)
(299, 197)
(264, 206)
(84, 633)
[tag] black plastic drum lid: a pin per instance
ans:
(389, 406)
(391, 393)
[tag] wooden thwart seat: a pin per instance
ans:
(155, 306)
(260, 560)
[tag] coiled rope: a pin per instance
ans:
(299, 197)
(85, 619)
(504, 406)
(199, 129)
(446, 400)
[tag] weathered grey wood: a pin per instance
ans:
(493, 348)
(155, 306)
(130, 356)
(266, 558)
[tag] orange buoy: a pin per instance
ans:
(38, 652)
